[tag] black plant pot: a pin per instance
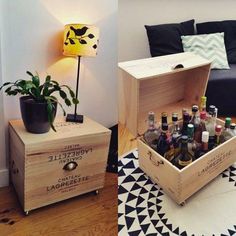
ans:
(35, 116)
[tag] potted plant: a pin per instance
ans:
(38, 103)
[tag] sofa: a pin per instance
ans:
(221, 90)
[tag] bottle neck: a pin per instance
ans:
(204, 146)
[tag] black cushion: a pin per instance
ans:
(229, 28)
(221, 90)
(166, 39)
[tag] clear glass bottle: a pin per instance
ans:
(226, 132)
(164, 143)
(203, 103)
(211, 121)
(195, 120)
(232, 129)
(184, 158)
(152, 134)
(218, 135)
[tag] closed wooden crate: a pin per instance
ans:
(38, 161)
(153, 85)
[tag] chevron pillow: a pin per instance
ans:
(209, 46)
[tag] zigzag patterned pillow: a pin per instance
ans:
(209, 46)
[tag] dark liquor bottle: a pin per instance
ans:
(192, 146)
(184, 158)
(164, 143)
(218, 135)
(201, 127)
(152, 133)
(176, 134)
(186, 119)
(203, 103)
(205, 140)
(195, 120)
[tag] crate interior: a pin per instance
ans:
(170, 93)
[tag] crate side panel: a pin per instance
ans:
(202, 171)
(166, 176)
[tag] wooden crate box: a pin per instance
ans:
(47, 168)
(153, 85)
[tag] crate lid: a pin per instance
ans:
(154, 66)
(64, 130)
(152, 84)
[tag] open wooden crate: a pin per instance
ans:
(153, 85)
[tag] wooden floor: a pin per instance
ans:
(85, 215)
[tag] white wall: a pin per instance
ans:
(134, 14)
(33, 32)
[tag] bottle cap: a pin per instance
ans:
(190, 130)
(205, 136)
(232, 126)
(212, 109)
(218, 128)
(194, 108)
(164, 114)
(203, 99)
(184, 138)
(186, 116)
(174, 116)
(203, 115)
(227, 122)
(151, 115)
(164, 126)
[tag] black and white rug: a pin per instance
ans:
(145, 210)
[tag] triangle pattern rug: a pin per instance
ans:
(145, 210)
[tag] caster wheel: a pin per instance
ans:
(96, 192)
(27, 213)
(182, 203)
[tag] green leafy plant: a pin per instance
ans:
(42, 92)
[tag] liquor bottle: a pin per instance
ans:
(152, 133)
(232, 129)
(203, 103)
(218, 135)
(191, 143)
(211, 121)
(176, 134)
(164, 143)
(184, 158)
(195, 120)
(186, 119)
(226, 132)
(205, 140)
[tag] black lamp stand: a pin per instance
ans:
(74, 117)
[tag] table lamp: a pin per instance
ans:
(79, 40)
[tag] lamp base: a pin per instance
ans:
(75, 118)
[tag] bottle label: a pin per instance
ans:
(185, 163)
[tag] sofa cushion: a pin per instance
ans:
(221, 90)
(165, 39)
(229, 28)
(209, 46)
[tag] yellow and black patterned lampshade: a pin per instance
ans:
(80, 40)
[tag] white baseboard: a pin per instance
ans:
(4, 177)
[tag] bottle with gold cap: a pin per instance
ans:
(203, 103)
